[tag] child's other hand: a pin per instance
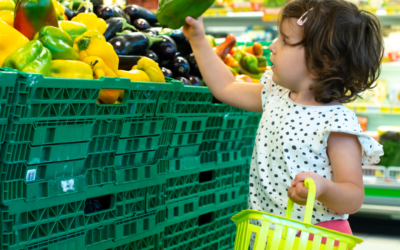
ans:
(194, 28)
(298, 192)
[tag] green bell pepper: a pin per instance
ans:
(58, 42)
(33, 57)
(74, 29)
(248, 61)
(173, 13)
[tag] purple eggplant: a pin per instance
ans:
(167, 72)
(135, 12)
(166, 49)
(195, 81)
(112, 11)
(135, 43)
(150, 54)
(141, 24)
(180, 66)
(184, 80)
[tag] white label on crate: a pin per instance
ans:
(31, 175)
(68, 185)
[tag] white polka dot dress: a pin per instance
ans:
(292, 139)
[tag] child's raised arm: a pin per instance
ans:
(217, 76)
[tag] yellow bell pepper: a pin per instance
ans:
(92, 43)
(60, 11)
(10, 41)
(70, 69)
(99, 67)
(91, 21)
(134, 75)
(152, 69)
(7, 12)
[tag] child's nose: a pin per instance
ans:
(272, 47)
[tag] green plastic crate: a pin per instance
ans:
(205, 202)
(80, 130)
(188, 178)
(41, 98)
(133, 233)
(149, 240)
(207, 230)
(8, 80)
(92, 183)
(24, 152)
(124, 205)
(220, 157)
(191, 124)
(203, 123)
(253, 119)
(222, 146)
(198, 101)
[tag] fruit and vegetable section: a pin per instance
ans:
(110, 138)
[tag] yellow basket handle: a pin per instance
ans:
(309, 183)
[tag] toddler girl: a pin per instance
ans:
(327, 53)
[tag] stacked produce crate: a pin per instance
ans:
(165, 169)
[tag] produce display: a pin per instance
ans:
(389, 137)
(79, 40)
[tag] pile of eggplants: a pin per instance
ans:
(134, 32)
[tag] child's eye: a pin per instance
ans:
(284, 41)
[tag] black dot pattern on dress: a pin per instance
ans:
(292, 139)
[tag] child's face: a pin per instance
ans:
(290, 68)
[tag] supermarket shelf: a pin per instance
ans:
(379, 209)
(235, 20)
(374, 109)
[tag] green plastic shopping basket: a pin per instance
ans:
(284, 234)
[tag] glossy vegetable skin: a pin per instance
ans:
(136, 12)
(127, 62)
(116, 25)
(112, 11)
(135, 43)
(33, 57)
(58, 42)
(173, 13)
(32, 15)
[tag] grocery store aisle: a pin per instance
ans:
(374, 242)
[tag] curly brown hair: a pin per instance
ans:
(343, 47)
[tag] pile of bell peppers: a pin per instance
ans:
(45, 42)
(246, 63)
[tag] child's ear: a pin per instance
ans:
(313, 74)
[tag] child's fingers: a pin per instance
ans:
(191, 21)
(301, 190)
(302, 177)
(293, 195)
(299, 178)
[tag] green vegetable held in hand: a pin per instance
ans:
(58, 42)
(173, 13)
(32, 58)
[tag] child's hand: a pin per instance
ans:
(298, 192)
(194, 28)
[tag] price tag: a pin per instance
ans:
(396, 110)
(361, 109)
(271, 14)
(385, 110)
(215, 12)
